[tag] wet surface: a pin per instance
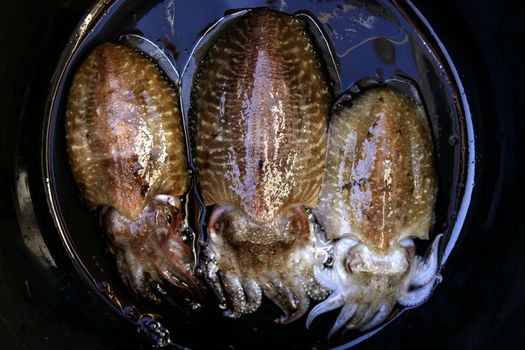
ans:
(351, 28)
(483, 254)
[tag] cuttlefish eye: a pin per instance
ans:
(294, 223)
(229, 221)
(167, 215)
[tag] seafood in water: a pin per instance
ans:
(127, 153)
(270, 166)
(378, 194)
(261, 105)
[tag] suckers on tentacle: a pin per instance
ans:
(127, 154)
(261, 105)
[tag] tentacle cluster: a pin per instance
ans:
(367, 300)
(289, 284)
(152, 254)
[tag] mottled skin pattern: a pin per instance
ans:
(261, 104)
(378, 193)
(126, 147)
(380, 183)
(125, 140)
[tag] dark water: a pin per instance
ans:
(369, 40)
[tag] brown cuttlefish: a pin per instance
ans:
(127, 153)
(378, 195)
(261, 105)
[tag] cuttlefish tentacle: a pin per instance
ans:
(260, 139)
(413, 291)
(378, 195)
(127, 154)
